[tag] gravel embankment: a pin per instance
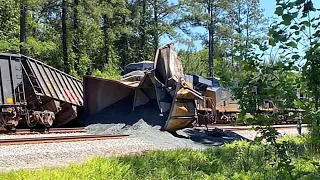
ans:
(251, 134)
(32, 156)
(143, 138)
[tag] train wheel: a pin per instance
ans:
(33, 120)
(2, 120)
(48, 123)
(224, 119)
(48, 118)
(9, 127)
(7, 122)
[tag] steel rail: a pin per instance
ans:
(245, 128)
(43, 131)
(40, 140)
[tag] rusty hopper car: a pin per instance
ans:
(36, 93)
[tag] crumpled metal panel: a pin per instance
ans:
(100, 93)
(165, 84)
(168, 67)
(183, 109)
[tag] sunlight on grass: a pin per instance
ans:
(238, 160)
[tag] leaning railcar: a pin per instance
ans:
(36, 93)
(52, 91)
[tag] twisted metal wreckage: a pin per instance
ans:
(165, 83)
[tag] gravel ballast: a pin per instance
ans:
(143, 137)
(32, 156)
(186, 138)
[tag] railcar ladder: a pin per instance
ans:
(33, 81)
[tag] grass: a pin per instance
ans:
(238, 160)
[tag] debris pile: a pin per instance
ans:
(152, 135)
(159, 96)
(121, 113)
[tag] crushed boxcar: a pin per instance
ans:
(164, 85)
(35, 93)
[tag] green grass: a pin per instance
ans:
(238, 160)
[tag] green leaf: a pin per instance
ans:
(298, 39)
(286, 23)
(295, 27)
(283, 47)
(279, 11)
(299, 2)
(287, 18)
(306, 23)
(296, 57)
(291, 4)
(272, 42)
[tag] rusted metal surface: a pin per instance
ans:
(100, 93)
(164, 83)
(40, 140)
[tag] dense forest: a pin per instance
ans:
(102, 36)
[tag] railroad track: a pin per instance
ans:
(244, 128)
(43, 131)
(40, 140)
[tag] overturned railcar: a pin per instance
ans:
(163, 88)
(35, 93)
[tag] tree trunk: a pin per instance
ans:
(64, 37)
(155, 26)
(125, 45)
(143, 31)
(75, 46)
(23, 10)
(247, 32)
(211, 38)
(247, 28)
(105, 38)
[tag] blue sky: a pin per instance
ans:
(267, 5)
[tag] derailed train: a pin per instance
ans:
(161, 90)
(35, 93)
(218, 105)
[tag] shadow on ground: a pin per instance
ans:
(213, 137)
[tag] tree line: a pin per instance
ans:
(85, 36)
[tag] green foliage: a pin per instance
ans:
(276, 81)
(110, 71)
(238, 160)
(231, 23)
(128, 34)
(302, 34)
(194, 62)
